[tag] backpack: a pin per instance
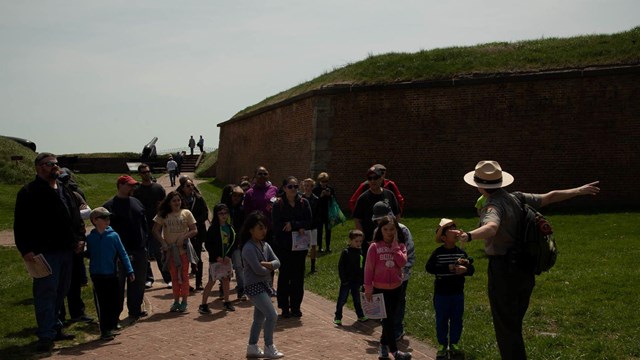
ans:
(536, 243)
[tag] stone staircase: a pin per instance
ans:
(189, 163)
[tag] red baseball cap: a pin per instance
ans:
(126, 179)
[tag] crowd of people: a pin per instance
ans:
(256, 229)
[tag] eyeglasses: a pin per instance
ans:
(263, 174)
(373, 177)
(50, 163)
(292, 186)
(145, 172)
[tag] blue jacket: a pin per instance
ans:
(103, 250)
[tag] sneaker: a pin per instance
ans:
(399, 355)
(254, 351)
(285, 315)
(148, 285)
(296, 313)
(455, 350)
(399, 337)
(44, 345)
(363, 319)
(60, 335)
(82, 319)
(270, 352)
(228, 306)
(442, 352)
(169, 285)
(383, 352)
(182, 307)
(337, 322)
(204, 309)
(107, 336)
(175, 307)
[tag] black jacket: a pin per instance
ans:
(43, 222)
(128, 219)
(351, 266)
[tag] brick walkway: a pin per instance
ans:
(223, 335)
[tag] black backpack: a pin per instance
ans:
(536, 242)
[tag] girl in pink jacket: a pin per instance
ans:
(383, 274)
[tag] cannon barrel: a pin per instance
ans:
(149, 150)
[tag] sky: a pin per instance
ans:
(107, 75)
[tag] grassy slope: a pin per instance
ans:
(523, 56)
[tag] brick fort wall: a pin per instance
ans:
(550, 130)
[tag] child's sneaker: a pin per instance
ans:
(227, 306)
(182, 307)
(456, 350)
(399, 355)
(254, 351)
(204, 309)
(337, 322)
(442, 352)
(175, 307)
(363, 319)
(270, 352)
(107, 336)
(383, 352)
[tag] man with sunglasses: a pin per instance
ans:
(261, 196)
(363, 210)
(150, 195)
(386, 183)
(56, 233)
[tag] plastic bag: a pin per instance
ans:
(336, 217)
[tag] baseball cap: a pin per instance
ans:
(98, 212)
(380, 210)
(126, 179)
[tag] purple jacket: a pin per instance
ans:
(260, 198)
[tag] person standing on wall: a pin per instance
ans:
(510, 282)
(201, 144)
(192, 144)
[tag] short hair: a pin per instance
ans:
(41, 156)
(142, 166)
(355, 233)
(309, 180)
(323, 176)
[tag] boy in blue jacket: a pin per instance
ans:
(103, 249)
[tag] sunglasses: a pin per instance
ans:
(291, 186)
(50, 163)
(373, 177)
(262, 174)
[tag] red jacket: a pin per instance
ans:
(388, 184)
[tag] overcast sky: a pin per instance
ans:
(107, 76)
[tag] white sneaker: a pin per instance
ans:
(254, 351)
(270, 352)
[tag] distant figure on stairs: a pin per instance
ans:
(201, 144)
(192, 144)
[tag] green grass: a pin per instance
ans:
(437, 64)
(210, 159)
(586, 307)
(15, 172)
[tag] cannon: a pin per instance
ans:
(149, 150)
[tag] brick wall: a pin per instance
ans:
(550, 130)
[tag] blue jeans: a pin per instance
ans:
(449, 311)
(264, 316)
(353, 288)
(49, 293)
(402, 303)
(236, 260)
